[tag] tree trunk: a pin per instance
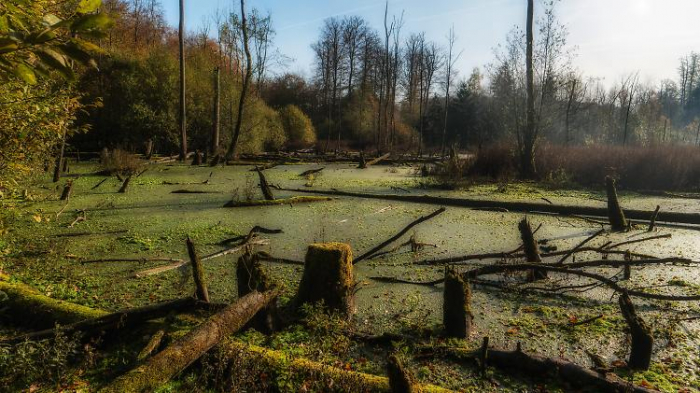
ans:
(265, 187)
(67, 190)
(231, 153)
(182, 107)
(457, 315)
(532, 252)
(618, 222)
(217, 112)
(642, 340)
(251, 277)
(527, 154)
(197, 272)
(328, 277)
(59, 160)
(178, 356)
(399, 378)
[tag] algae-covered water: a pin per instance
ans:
(151, 221)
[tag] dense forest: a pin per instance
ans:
(371, 89)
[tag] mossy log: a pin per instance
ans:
(152, 346)
(262, 366)
(400, 380)
(516, 206)
(328, 277)
(27, 307)
(618, 222)
(103, 322)
(457, 315)
(532, 251)
(175, 358)
(251, 277)
(642, 340)
(284, 201)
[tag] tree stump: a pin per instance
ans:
(197, 158)
(362, 163)
(457, 315)
(67, 190)
(618, 222)
(197, 272)
(265, 187)
(532, 251)
(328, 278)
(642, 340)
(250, 278)
(399, 378)
(125, 185)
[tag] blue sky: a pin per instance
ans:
(612, 37)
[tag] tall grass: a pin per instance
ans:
(636, 168)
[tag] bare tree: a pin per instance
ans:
(183, 119)
(527, 153)
(231, 153)
(449, 64)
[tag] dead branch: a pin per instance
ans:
(578, 246)
(625, 243)
(398, 235)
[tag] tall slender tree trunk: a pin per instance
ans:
(231, 153)
(59, 160)
(217, 112)
(569, 105)
(527, 154)
(183, 119)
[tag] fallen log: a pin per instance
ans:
(285, 201)
(200, 281)
(26, 306)
(264, 186)
(519, 362)
(175, 358)
(105, 322)
(142, 260)
(262, 365)
(152, 346)
(628, 242)
(311, 172)
(514, 206)
(377, 160)
(255, 230)
(398, 235)
(96, 186)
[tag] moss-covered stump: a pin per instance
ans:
(328, 277)
(260, 369)
(251, 277)
(27, 307)
(283, 201)
(618, 222)
(400, 380)
(457, 315)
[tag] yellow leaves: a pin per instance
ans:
(37, 217)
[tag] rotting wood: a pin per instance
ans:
(102, 321)
(284, 201)
(67, 190)
(578, 246)
(642, 340)
(162, 367)
(519, 362)
(251, 277)
(457, 314)
(398, 235)
(400, 381)
(618, 222)
(197, 272)
(328, 277)
(125, 185)
(515, 206)
(152, 345)
(311, 172)
(652, 221)
(377, 160)
(264, 186)
(532, 251)
(182, 263)
(96, 186)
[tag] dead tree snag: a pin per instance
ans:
(328, 277)
(642, 340)
(618, 222)
(532, 251)
(457, 315)
(197, 272)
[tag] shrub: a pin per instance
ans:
(298, 127)
(120, 162)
